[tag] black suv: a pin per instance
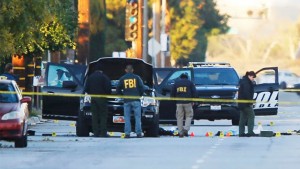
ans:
(217, 87)
(65, 79)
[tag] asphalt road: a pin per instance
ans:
(66, 151)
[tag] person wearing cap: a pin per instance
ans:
(184, 88)
(245, 94)
(9, 73)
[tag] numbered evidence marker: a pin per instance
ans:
(221, 134)
(123, 135)
(278, 134)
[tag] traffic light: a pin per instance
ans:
(131, 27)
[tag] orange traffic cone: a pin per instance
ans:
(228, 134)
(207, 134)
(192, 134)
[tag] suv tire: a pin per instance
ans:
(82, 129)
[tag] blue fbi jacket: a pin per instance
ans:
(131, 85)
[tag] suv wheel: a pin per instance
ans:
(153, 130)
(21, 142)
(235, 122)
(82, 129)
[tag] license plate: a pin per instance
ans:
(215, 107)
(118, 119)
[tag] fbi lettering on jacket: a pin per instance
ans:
(181, 89)
(129, 83)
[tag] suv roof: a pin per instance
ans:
(209, 64)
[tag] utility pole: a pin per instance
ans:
(163, 30)
(138, 42)
(83, 31)
(156, 25)
(145, 30)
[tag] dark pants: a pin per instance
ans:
(246, 116)
(99, 116)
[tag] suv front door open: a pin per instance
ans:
(61, 81)
(266, 92)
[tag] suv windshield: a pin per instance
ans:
(215, 76)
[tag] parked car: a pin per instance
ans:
(72, 80)
(217, 85)
(13, 113)
(297, 87)
(287, 79)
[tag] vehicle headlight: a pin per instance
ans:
(146, 101)
(12, 115)
(87, 98)
(236, 95)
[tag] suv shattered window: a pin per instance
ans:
(58, 74)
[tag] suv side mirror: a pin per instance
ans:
(165, 91)
(69, 85)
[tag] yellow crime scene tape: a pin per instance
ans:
(156, 98)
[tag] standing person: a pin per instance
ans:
(98, 84)
(246, 92)
(184, 88)
(131, 85)
(9, 73)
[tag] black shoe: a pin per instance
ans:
(139, 136)
(185, 133)
(252, 135)
(243, 135)
(127, 136)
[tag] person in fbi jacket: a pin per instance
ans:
(184, 88)
(131, 85)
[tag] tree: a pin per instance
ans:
(30, 27)
(20, 20)
(115, 33)
(192, 22)
(97, 29)
(185, 23)
(214, 24)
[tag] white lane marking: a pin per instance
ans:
(200, 161)
(210, 151)
(195, 167)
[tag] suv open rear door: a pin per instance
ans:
(62, 81)
(266, 92)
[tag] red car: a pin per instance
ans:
(13, 113)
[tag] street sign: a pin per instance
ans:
(153, 47)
